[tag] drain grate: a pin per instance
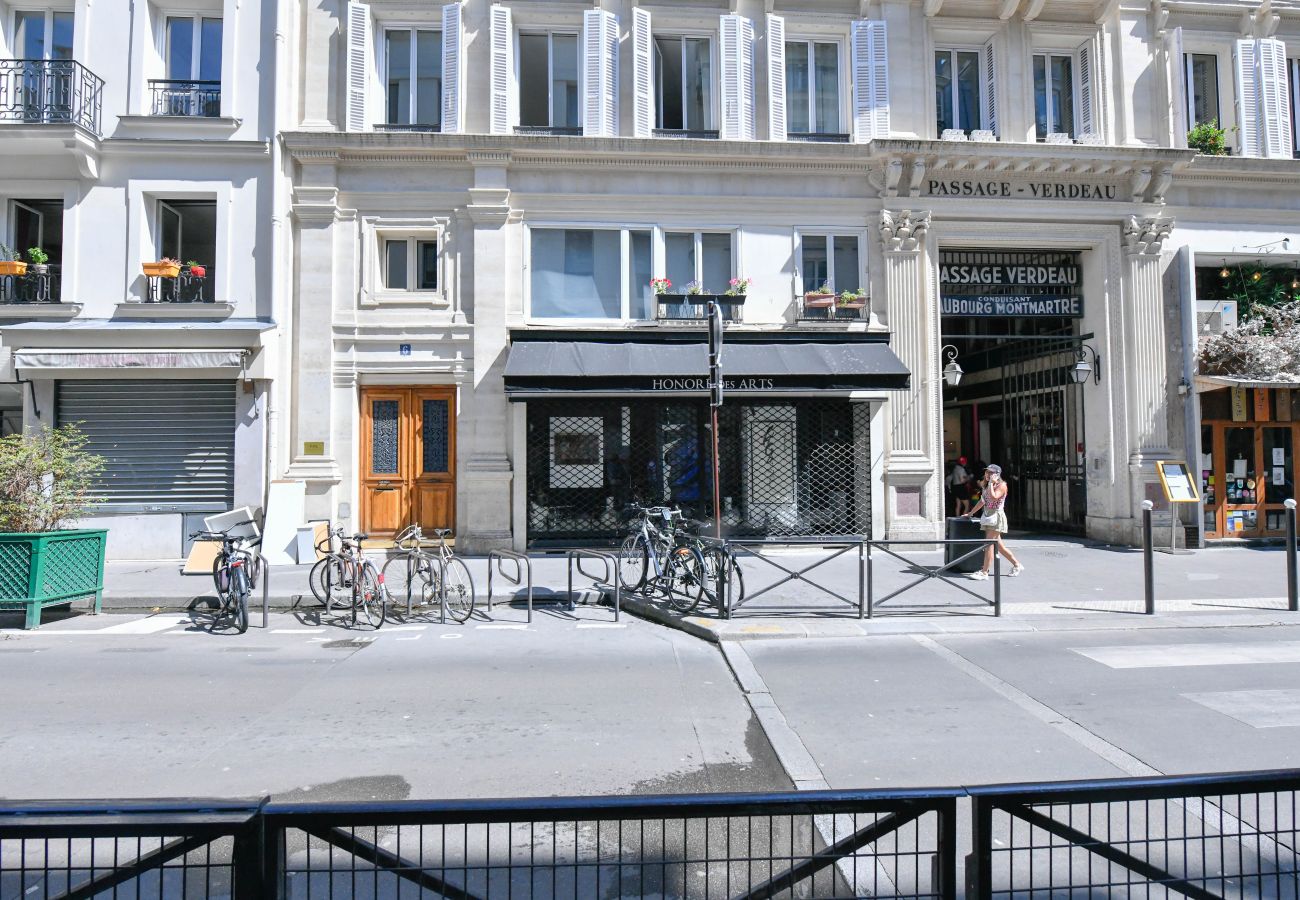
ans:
(350, 644)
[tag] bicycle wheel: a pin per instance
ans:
(370, 606)
(220, 575)
(458, 589)
(633, 561)
(685, 581)
(240, 604)
(399, 574)
(225, 596)
(338, 584)
(316, 578)
(716, 560)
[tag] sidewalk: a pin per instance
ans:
(1066, 584)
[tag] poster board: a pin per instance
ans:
(1177, 481)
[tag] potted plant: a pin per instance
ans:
(164, 268)
(48, 477)
(1208, 138)
(851, 300)
(39, 260)
(694, 289)
(10, 264)
(739, 287)
(194, 269)
(822, 298)
(660, 286)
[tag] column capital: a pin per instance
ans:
(903, 231)
(1146, 236)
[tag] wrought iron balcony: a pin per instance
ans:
(411, 127)
(183, 288)
(50, 92)
(676, 308)
(815, 307)
(33, 287)
(200, 99)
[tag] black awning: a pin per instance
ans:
(750, 367)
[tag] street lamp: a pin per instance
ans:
(951, 372)
(1082, 369)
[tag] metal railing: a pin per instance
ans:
(669, 309)
(866, 599)
(33, 287)
(1192, 836)
(817, 843)
(172, 97)
(50, 92)
(830, 309)
(184, 288)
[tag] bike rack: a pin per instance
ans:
(264, 573)
(608, 580)
(522, 565)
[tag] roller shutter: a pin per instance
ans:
(166, 444)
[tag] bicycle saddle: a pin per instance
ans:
(441, 532)
(360, 537)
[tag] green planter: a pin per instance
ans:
(51, 569)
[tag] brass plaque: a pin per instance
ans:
(313, 448)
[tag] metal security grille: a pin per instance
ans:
(168, 444)
(788, 468)
(1043, 417)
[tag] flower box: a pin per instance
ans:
(13, 267)
(52, 568)
(852, 304)
(162, 270)
(198, 271)
(814, 300)
(700, 299)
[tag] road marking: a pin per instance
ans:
(405, 628)
(451, 637)
(150, 625)
(601, 625)
(415, 638)
(295, 631)
(1258, 709)
(1164, 656)
(504, 625)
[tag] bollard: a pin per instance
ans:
(1292, 600)
(1148, 559)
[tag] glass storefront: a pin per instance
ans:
(1248, 464)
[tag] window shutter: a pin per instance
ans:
(776, 122)
(1087, 92)
(1178, 99)
(1248, 90)
(990, 89)
(737, 78)
(870, 80)
(501, 70)
(643, 75)
(358, 64)
(451, 69)
(600, 73)
(1275, 124)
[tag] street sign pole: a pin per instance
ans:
(715, 401)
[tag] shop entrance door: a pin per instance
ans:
(408, 458)
(1254, 473)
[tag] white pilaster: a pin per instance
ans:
(914, 505)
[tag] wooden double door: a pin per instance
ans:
(408, 458)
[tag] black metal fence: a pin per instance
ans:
(50, 92)
(1204, 836)
(183, 288)
(794, 467)
(32, 287)
(185, 98)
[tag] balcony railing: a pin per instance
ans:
(830, 307)
(409, 127)
(50, 92)
(200, 99)
(674, 308)
(184, 288)
(34, 287)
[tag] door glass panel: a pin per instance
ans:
(384, 436)
(435, 435)
(1208, 484)
(640, 271)
(814, 263)
(1279, 464)
(826, 59)
(698, 84)
(846, 263)
(1239, 483)
(564, 81)
(210, 50)
(61, 43)
(533, 80)
(796, 87)
(399, 77)
(943, 91)
(428, 77)
(668, 82)
(180, 48)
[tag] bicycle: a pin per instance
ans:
(331, 561)
(235, 573)
(440, 577)
(654, 556)
(719, 559)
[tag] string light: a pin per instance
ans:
(1224, 273)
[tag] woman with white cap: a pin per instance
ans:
(993, 499)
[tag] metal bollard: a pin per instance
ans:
(1148, 559)
(1292, 600)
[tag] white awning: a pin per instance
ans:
(1215, 382)
(84, 360)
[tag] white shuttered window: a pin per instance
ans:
(502, 70)
(776, 119)
(451, 69)
(600, 72)
(1263, 101)
(643, 74)
(359, 65)
(870, 80)
(166, 444)
(737, 78)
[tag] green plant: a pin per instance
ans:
(37, 257)
(1208, 138)
(847, 297)
(46, 477)
(739, 287)
(8, 254)
(824, 289)
(191, 263)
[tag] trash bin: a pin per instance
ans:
(963, 529)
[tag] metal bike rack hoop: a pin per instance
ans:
(609, 579)
(523, 574)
